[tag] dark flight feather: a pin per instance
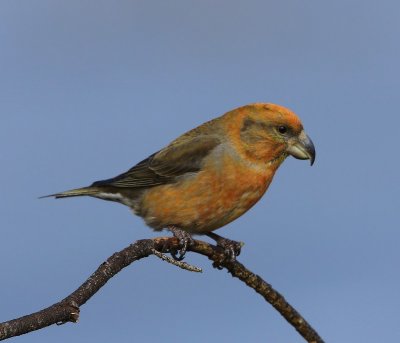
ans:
(166, 165)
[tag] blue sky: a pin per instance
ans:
(89, 88)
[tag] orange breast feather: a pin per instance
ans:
(224, 189)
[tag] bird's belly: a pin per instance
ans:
(204, 202)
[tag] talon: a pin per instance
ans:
(217, 265)
(231, 248)
(185, 240)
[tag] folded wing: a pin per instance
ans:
(166, 165)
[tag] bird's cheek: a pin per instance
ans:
(277, 149)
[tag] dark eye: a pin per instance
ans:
(282, 129)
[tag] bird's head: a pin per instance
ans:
(269, 133)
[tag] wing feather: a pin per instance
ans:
(166, 165)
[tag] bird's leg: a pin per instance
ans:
(231, 248)
(185, 240)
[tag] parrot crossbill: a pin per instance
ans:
(210, 175)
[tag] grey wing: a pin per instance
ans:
(166, 165)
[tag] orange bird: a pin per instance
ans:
(210, 175)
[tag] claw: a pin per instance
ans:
(231, 248)
(185, 240)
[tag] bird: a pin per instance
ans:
(210, 175)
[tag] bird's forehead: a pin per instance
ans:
(278, 114)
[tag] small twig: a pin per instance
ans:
(179, 264)
(67, 310)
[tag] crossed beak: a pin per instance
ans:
(302, 147)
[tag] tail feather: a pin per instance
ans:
(73, 193)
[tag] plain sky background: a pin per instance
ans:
(89, 88)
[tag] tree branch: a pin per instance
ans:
(180, 264)
(67, 310)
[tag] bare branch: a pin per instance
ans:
(67, 310)
(179, 264)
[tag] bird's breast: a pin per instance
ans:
(222, 191)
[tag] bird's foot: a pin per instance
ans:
(185, 240)
(231, 248)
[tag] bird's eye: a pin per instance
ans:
(282, 129)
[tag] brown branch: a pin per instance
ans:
(67, 310)
(180, 264)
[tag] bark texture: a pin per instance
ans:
(67, 310)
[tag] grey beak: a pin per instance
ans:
(302, 148)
